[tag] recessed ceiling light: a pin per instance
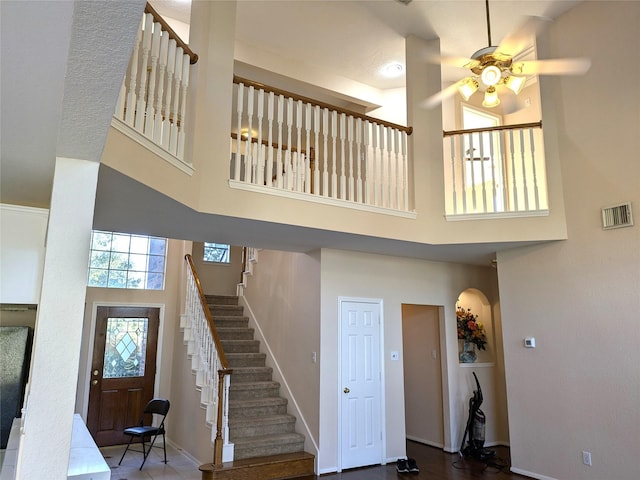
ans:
(393, 70)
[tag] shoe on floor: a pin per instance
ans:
(401, 466)
(412, 466)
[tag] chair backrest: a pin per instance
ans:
(159, 406)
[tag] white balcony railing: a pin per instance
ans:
(154, 92)
(497, 170)
(288, 143)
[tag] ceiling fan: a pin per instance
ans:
(495, 67)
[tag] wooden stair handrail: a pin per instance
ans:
(517, 126)
(279, 91)
(193, 57)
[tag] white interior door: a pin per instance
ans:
(361, 416)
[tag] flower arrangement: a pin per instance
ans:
(470, 329)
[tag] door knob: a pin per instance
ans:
(94, 382)
(346, 390)
(95, 372)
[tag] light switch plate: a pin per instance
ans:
(530, 342)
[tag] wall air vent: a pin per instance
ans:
(617, 217)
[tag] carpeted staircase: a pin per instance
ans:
(259, 425)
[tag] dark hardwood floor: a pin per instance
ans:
(435, 464)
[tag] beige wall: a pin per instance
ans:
(396, 281)
(579, 389)
(218, 278)
(284, 296)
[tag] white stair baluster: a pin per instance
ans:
(482, 174)
(374, 164)
(297, 185)
(334, 173)
(142, 93)
(153, 73)
(268, 174)
(525, 181)
(279, 156)
(133, 78)
(239, 109)
(186, 63)
(351, 180)
(398, 174)
(162, 78)
(259, 179)
(390, 168)
(307, 165)
(316, 143)
(359, 159)
(248, 156)
(405, 172)
(166, 122)
(514, 185)
(365, 160)
(175, 109)
(343, 177)
(288, 156)
(533, 169)
(325, 152)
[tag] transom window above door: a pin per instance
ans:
(124, 260)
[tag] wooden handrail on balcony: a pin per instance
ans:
(499, 128)
(285, 93)
(172, 34)
(224, 370)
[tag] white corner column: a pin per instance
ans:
(45, 439)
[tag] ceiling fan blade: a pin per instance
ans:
(438, 98)
(461, 62)
(560, 66)
(523, 36)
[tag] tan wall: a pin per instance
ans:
(579, 388)
(218, 278)
(284, 296)
(396, 281)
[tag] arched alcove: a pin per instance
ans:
(476, 302)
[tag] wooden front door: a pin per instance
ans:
(123, 370)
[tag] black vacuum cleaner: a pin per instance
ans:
(475, 429)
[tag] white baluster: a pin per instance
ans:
(383, 170)
(186, 63)
(365, 160)
(533, 167)
(151, 98)
(494, 183)
(248, 157)
(316, 143)
(503, 162)
(352, 195)
(260, 172)
(239, 109)
(343, 177)
(162, 78)
(390, 168)
(398, 174)
(359, 159)
(307, 166)
(173, 138)
(288, 157)
(279, 159)
(524, 171)
(325, 152)
(166, 122)
(374, 164)
(514, 185)
(119, 113)
(296, 184)
(334, 134)
(405, 172)
(146, 50)
(482, 174)
(268, 174)
(133, 77)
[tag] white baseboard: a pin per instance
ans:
(526, 473)
(425, 441)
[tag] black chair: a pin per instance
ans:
(157, 406)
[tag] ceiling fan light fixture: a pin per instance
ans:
(491, 98)
(468, 87)
(515, 84)
(491, 75)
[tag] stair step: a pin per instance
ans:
(257, 407)
(261, 426)
(235, 333)
(289, 465)
(233, 321)
(222, 299)
(249, 390)
(240, 346)
(238, 360)
(251, 374)
(227, 310)
(249, 447)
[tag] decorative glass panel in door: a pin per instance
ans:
(125, 347)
